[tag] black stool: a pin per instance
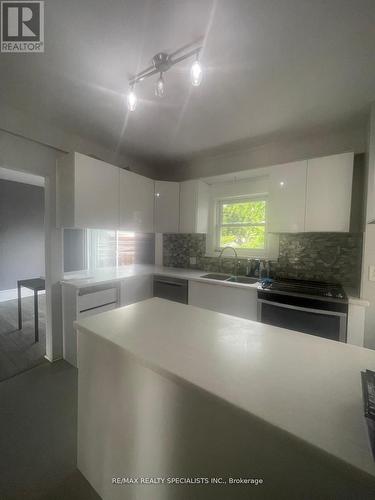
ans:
(37, 285)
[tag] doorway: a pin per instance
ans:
(22, 267)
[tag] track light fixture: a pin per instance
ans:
(161, 63)
(159, 87)
(196, 73)
(131, 99)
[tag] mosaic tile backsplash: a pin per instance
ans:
(328, 257)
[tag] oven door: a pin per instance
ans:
(327, 324)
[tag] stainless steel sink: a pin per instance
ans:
(243, 279)
(219, 277)
(232, 279)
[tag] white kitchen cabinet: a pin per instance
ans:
(287, 198)
(329, 193)
(235, 301)
(135, 289)
(194, 206)
(136, 202)
(78, 303)
(167, 207)
(87, 193)
(356, 322)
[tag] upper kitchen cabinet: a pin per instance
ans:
(329, 193)
(167, 209)
(194, 206)
(87, 192)
(136, 202)
(287, 198)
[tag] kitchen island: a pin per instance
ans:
(176, 392)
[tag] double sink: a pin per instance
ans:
(234, 279)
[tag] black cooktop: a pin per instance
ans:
(317, 288)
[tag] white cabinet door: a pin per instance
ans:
(97, 310)
(76, 304)
(194, 206)
(287, 198)
(356, 324)
(329, 193)
(167, 210)
(238, 302)
(188, 206)
(136, 202)
(136, 289)
(96, 197)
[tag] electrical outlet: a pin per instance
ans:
(371, 273)
(193, 261)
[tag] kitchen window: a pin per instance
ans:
(241, 224)
(110, 248)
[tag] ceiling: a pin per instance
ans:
(270, 66)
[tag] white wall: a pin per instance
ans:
(285, 149)
(21, 232)
(20, 154)
(367, 286)
(20, 123)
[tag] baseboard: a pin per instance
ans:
(54, 359)
(12, 294)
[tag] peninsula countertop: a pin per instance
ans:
(304, 385)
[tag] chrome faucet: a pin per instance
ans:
(235, 266)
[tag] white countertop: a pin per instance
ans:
(304, 385)
(354, 298)
(83, 279)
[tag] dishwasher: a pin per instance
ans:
(174, 289)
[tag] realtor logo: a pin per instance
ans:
(22, 26)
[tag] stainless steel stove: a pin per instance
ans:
(301, 287)
(310, 307)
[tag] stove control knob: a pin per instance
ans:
(340, 296)
(329, 294)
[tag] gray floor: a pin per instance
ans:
(18, 349)
(38, 444)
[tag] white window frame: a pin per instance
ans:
(242, 252)
(91, 248)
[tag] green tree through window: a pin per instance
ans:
(242, 223)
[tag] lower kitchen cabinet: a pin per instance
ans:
(135, 289)
(79, 303)
(356, 323)
(224, 299)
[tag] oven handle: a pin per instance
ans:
(305, 309)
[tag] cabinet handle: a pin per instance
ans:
(170, 283)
